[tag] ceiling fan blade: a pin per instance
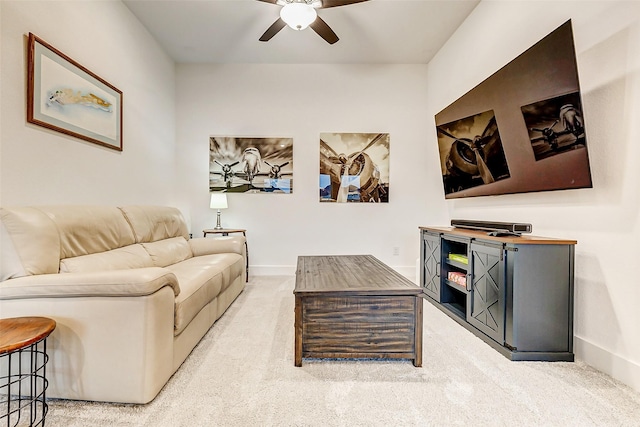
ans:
(273, 30)
(269, 1)
(324, 31)
(336, 3)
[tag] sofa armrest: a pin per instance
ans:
(227, 244)
(115, 283)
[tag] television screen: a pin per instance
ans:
(520, 130)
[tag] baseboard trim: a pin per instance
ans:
(408, 271)
(272, 270)
(290, 270)
(621, 369)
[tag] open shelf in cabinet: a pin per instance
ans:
(454, 297)
(457, 309)
(456, 264)
(457, 286)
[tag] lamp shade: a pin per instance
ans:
(298, 15)
(218, 201)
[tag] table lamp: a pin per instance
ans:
(218, 201)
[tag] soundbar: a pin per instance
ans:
(494, 228)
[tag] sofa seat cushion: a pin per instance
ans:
(132, 256)
(201, 280)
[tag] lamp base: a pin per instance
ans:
(218, 226)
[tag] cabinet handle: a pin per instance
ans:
(437, 269)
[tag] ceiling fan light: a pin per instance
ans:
(298, 15)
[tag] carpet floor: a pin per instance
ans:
(242, 374)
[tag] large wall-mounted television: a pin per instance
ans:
(520, 130)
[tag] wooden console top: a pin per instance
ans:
(525, 239)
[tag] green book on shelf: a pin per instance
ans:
(460, 258)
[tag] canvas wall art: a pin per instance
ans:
(354, 167)
(251, 165)
(64, 96)
(538, 116)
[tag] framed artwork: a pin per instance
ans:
(251, 165)
(64, 96)
(354, 167)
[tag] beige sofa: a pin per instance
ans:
(131, 293)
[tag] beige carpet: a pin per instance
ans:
(242, 374)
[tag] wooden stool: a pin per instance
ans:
(23, 359)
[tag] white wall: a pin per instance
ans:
(300, 101)
(603, 219)
(38, 166)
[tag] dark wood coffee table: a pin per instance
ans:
(354, 306)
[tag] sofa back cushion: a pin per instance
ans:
(88, 230)
(168, 251)
(44, 240)
(29, 243)
(132, 256)
(153, 223)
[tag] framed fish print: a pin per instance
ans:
(66, 97)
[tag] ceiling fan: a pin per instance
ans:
(300, 14)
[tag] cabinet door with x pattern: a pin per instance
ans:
(487, 294)
(430, 269)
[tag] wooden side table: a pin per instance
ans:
(226, 232)
(23, 360)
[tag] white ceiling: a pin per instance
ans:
(227, 31)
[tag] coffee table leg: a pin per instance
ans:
(298, 332)
(417, 362)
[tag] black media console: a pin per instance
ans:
(513, 292)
